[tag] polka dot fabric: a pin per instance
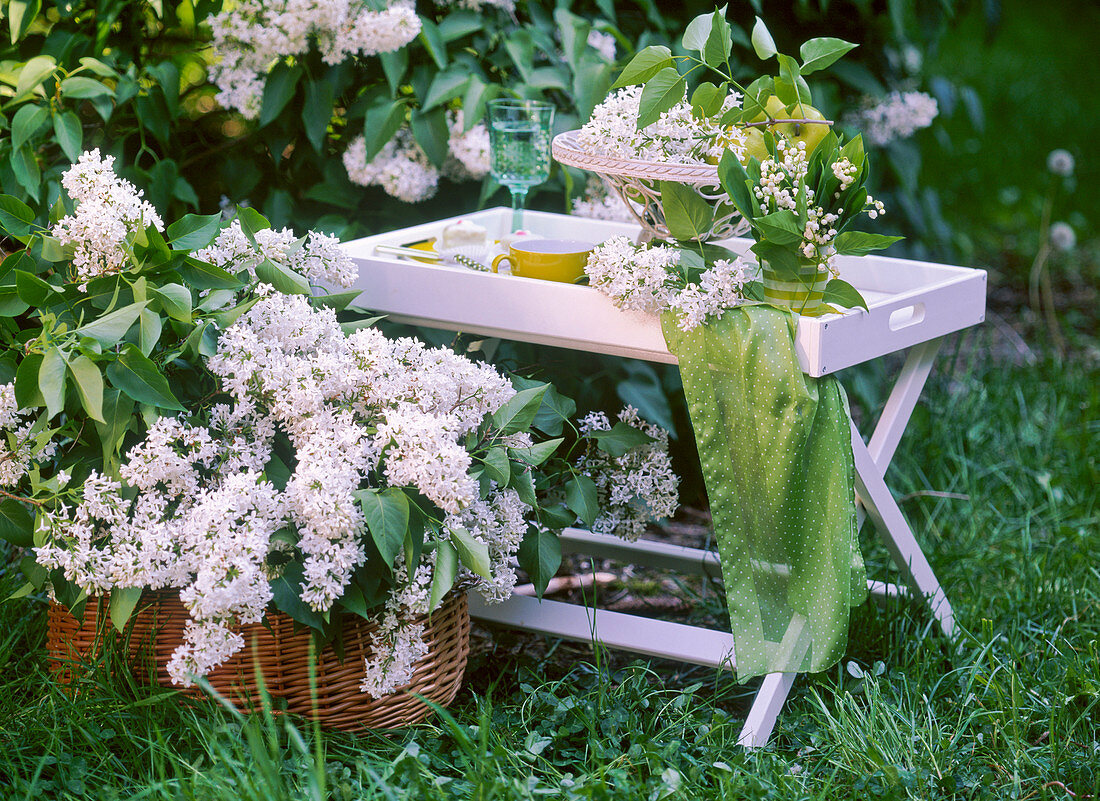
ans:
(776, 454)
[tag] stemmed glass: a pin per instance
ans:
(519, 139)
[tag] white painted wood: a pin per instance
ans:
(902, 401)
(642, 635)
(910, 302)
(897, 536)
(651, 553)
(765, 709)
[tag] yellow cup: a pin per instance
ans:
(549, 259)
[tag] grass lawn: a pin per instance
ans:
(998, 475)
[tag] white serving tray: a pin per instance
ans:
(910, 301)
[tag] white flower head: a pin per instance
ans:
(1061, 162)
(109, 213)
(1062, 236)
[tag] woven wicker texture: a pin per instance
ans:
(636, 182)
(282, 655)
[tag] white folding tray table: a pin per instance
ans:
(913, 305)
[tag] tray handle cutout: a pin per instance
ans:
(906, 316)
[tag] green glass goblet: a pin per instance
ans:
(519, 140)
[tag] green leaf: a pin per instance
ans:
(25, 166)
(194, 231)
(460, 23)
(33, 73)
(661, 92)
(853, 151)
(394, 66)
(176, 300)
(387, 515)
(89, 385)
(519, 412)
(278, 90)
(582, 498)
(858, 243)
(139, 378)
(16, 216)
(732, 175)
(687, 215)
(537, 453)
(32, 289)
(70, 134)
(591, 83)
(820, 53)
(286, 595)
(471, 552)
(26, 123)
(540, 557)
(719, 42)
(317, 111)
(123, 602)
(783, 260)
(80, 88)
(497, 465)
(99, 68)
(445, 86)
(841, 293)
(431, 133)
(202, 275)
(11, 305)
(707, 99)
(284, 279)
(446, 570)
(780, 227)
(523, 482)
(110, 328)
(620, 439)
(762, 41)
(646, 63)
(338, 301)
(21, 14)
(697, 32)
(788, 72)
(433, 42)
(51, 381)
(117, 409)
(16, 523)
(381, 123)
(27, 393)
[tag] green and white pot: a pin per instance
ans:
(803, 295)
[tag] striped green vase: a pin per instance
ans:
(804, 295)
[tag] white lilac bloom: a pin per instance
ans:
(319, 257)
(250, 37)
(1062, 236)
(635, 278)
(602, 43)
(470, 148)
(899, 115)
(109, 213)
(1060, 162)
(720, 288)
(18, 448)
(677, 137)
(635, 489)
(599, 203)
(401, 168)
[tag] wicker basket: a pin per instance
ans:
(282, 655)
